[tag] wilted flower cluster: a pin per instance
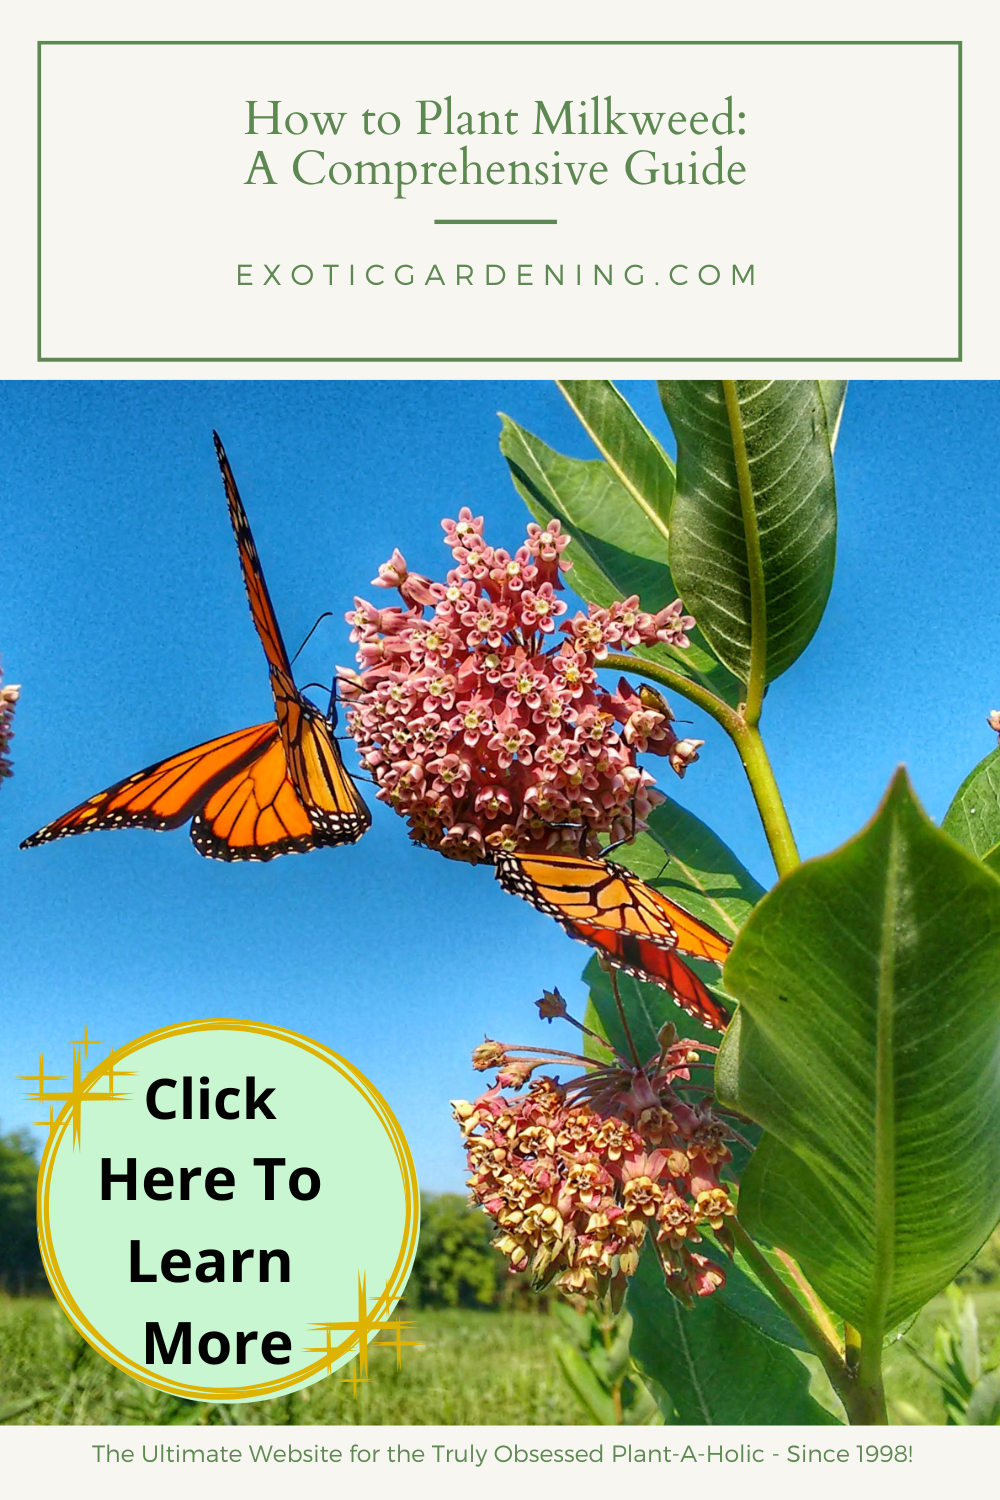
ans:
(8, 697)
(485, 729)
(576, 1175)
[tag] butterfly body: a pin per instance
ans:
(275, 788)
(636, 928)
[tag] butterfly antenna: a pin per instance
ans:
(326, 615)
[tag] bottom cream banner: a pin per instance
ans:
(440, 1462)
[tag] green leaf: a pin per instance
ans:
(833, 393)
(595, 1360)
(973, 819)
(640, 1406)
(867, 1045)
(618, 547)
(596, 1051)
(592, 1394)
(983, 1409)
(744, 1296)
(715, 1367)
(629, 449)
(784, 426)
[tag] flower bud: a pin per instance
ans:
(488, 1054)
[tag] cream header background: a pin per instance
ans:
(919, 321)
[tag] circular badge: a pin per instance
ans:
(227, 1211)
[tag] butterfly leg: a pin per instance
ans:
(628, 839)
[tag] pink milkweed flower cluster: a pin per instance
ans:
(8, 697)
(481, 718)
(576, 1175)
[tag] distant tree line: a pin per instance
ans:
(20, 1260)
(455, 1266)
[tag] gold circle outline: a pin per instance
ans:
(394, 1285)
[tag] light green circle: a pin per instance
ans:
(348, 1248)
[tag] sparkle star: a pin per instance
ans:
(360, 1333)
(83, 1088)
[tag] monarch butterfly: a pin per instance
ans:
(276, 788)
(634, 926)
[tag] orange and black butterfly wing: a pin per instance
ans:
(656, 965)
(262, 610)
(570, 887)
(164, 795)
(331, 802)
(259, 813)
(628, 921)
(255, 814)
(664, 922)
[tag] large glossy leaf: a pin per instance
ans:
(715, 1367)
(784, 426)
(619, 547)
(973, 819)
(867, 1044)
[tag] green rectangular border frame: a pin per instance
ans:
(444, 359)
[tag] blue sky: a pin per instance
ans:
(124, 619)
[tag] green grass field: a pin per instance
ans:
(476, 1368)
